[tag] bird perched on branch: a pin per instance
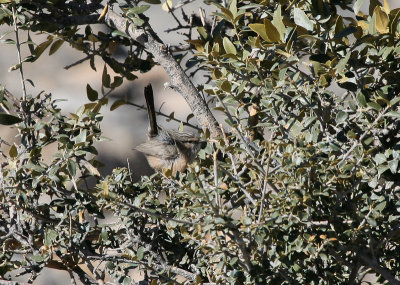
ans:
(167, 149)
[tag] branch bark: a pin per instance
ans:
(178, 79)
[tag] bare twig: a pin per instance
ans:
(356, 143)
(21, 72)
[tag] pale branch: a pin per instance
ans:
(178, 78)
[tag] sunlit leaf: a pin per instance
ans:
(301, 19)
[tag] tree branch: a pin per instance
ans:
(179, 80)
(373, 264)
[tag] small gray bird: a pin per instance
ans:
(167, 149)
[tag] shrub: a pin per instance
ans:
(301, 187)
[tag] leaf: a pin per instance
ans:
(386, 7)
(30, 81)
(393, 164)
(229, 46)
(226, 86)
(375, 106)
(260, 30)
(361, 100)
(342, 63)
(190, 116)
(271, 31)
(380, 158)
(118, 33)
(233, 8)
(152, 1)
(13, 152)
(106, 79)
(301, 19)
(42, 47)
(138, 9)
(2, 92)
(105, 188)
(341, 117)
(277, 21)
(117, 82)
(72, 167)
(7, 119)
(393, 114)
(91, 94)
(357, 6)
(167, 5)
(140, 253)
(81, 138)
(345, 32)
(55, 46)
(117, 104)
(382, 20)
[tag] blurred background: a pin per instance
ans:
(126, 127)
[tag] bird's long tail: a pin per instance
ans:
(148, 95)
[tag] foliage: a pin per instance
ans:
(302, 189)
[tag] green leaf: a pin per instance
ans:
(140, 253)
(341, 117)
(357, 6)
(7, 119)
(271, 31)
(340, 67)
(393, 164)
(152, 1)
(42, 47)
(374, 106)
(138, 9)
(72, 167)
(361, 100)
(55, 46)
(118, 33)
(81, 138)
(301, 19)
(106, 79)
(127, 280)
(260, 30)
(91, 94)
(226, 86)
(117, 104)
(117, 82)
(2, 92)
(393, 114)
(380, 158)
(233, 8)
(229, 46)
(13, 152)
(277, 21)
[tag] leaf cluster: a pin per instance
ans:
(303, 188)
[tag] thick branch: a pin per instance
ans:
(179, 80)
(373, 264)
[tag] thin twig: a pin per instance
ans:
(21, 72)
(356, 143)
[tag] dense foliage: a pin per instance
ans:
(302, 188)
